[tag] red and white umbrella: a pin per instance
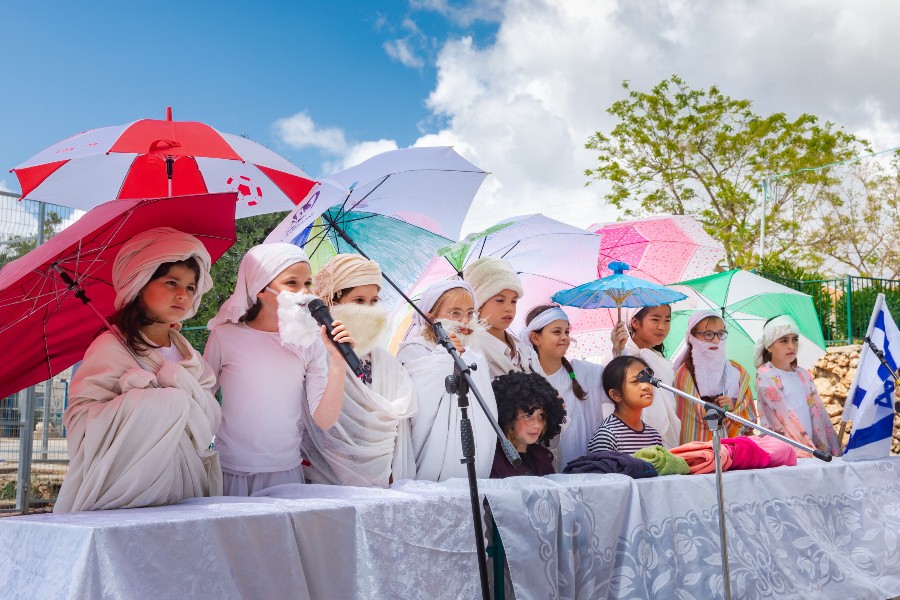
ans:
(152, 158)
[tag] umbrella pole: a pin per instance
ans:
(170, 163)
(460, 380)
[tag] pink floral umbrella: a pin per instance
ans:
(660, 249)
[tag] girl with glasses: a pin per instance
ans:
(703, 370)
(436, 425)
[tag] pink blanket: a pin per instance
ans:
(701, 458)
(746, 453)
(780, 453)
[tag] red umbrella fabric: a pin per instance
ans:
(44, 327)
(152, 158)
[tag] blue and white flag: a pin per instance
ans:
(870, 401)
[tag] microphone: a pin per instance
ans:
(646, 376)
(320, 313)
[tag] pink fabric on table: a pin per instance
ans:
(701, 458)
(780, 453)
(746, 453)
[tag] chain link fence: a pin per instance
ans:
(32, 436)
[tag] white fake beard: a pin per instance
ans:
(451, 326)
(709, 367)
(366, 324)
(296, 325)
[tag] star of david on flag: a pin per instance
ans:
(870, 401)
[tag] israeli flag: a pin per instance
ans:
(870, 401)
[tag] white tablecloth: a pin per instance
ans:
(816, 530)
(811, 531)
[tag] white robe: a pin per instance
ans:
(371, 441)
(436, 426)
(583, 417)
(661, 414)
(138, 437)
(501, 359)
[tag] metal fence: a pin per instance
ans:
(32, 437)
(845, 305)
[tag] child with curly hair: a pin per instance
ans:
(530, 413)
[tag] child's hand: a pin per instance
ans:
(457, 344)
(619, 337)
(726, 402)
(340, 334)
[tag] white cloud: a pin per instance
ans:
(463, 13)
(299, 131)
(400, 51)
(356, 153)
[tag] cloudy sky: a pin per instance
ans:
(515, 86)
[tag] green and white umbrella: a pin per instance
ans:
(746, 301)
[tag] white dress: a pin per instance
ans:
(583, 417)
(436, 426)
(501, 358)
(264, 386)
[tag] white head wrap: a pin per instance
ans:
(345, 271)
(258, 268)
(688, 338)
(431, 295)
(774, 329)
(140, 256)
(489, 276)
(542, 320)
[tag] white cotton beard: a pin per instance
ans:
(709, 367)
(451, 326)
(296, 325)
(366, 324)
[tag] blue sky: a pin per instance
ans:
(237, 66)
(516, 86)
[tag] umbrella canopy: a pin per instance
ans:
(397, 207)
(45, 327)
(661, 249)
(746, 301)
(152, 158)
(547, 255)
(618, 290)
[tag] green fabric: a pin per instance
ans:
(663, 461)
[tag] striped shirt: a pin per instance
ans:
(616, 436)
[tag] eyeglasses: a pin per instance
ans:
(457, 315)
(711, 335)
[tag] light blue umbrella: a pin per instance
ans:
(617, 290)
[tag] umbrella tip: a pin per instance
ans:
(618, 266)
(168, 113)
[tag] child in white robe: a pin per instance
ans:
(643, 336)
(141, 415)
(436, 425)
(266, 380)
(497, 291)
(578, 382)
(371, 444)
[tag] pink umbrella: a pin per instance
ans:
(151, 159)
(55, 299)
(660, 249)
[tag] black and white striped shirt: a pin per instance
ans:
(616, 436)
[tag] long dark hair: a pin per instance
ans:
(133, 316)
(640, 315)
(528, 392)
(615, 371)
(534, 312)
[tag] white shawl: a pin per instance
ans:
(497, 354)
(436, 426)
(138, 437)
(371, 440)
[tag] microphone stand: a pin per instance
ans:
(459, 383)
(715, 416)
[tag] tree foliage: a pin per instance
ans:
(250, 232)
(20, 245)
(700, 152)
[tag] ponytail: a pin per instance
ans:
(576, 387)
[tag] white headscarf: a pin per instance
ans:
(258, 268)
(140, 256)
(431, 295)
(542, 320)
(774, 329)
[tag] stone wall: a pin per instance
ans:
(834, 375)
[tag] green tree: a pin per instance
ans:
(19, 245)
(250, 232)
(700, 152)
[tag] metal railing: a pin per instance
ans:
(844, 305)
